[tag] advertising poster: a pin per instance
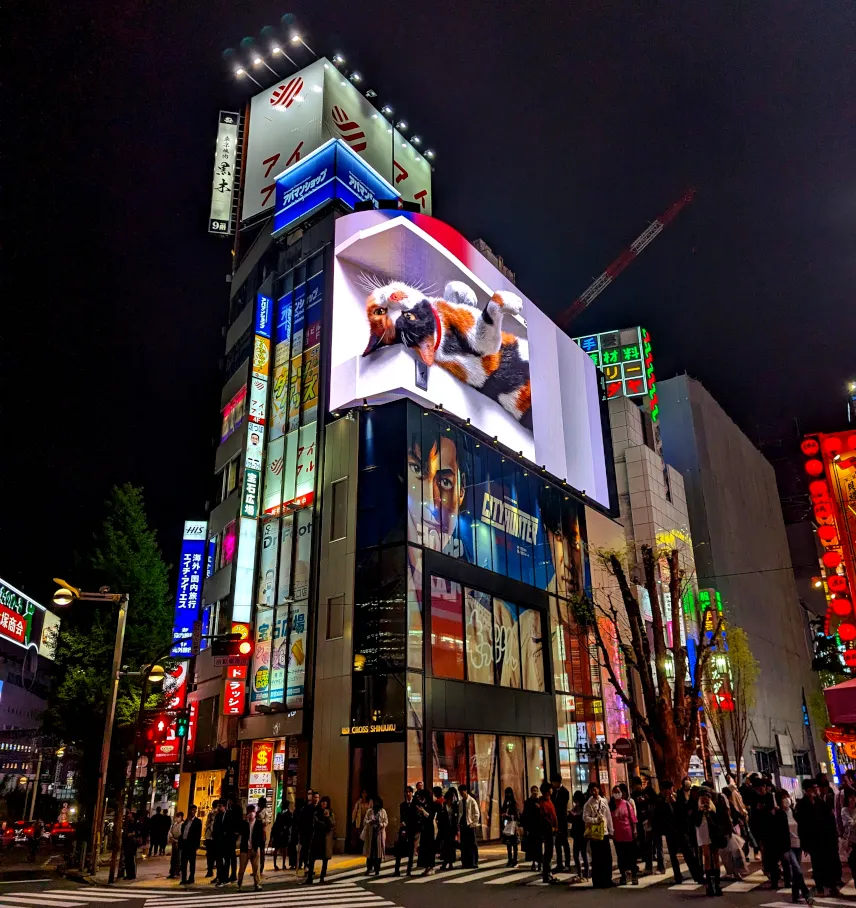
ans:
(303, 555)
(279, 659)
(298, 616)
(314, 305)
(306, 456)
(311, 365)
(260, 673)
(419, 313)
(189, 589)
(285, 556)
(26, 623)
(279, 400)
(223, 183)
(267, 563)
(294, 395)
(272, 500)
(261, 764)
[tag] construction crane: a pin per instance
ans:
(601, 283)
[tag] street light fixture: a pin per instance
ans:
(240, 72)
(298, 39)
(276, 50)
(260, 61)
(64, 596)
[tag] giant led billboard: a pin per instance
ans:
(419, 313)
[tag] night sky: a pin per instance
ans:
(561, 129)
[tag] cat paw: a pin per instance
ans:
(507, 301)
(460, 293)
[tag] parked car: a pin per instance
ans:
(9, 835)
(62, 833)
(24, 830)
(46, 831)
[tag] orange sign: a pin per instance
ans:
(262, 757)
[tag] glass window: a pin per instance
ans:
(478, 616)
(512, 768)
(414, 607)
(229, 544)
(335, 617)
(449, 758)
(339, 509)
(414, 700)
(484, 782)
(415, 771)
(506, 642)
(233, 414)
(531, 651)
(535, 769)
(447, 629)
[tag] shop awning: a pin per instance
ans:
(841, 703)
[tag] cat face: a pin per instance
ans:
(417, 328)
(383, 308)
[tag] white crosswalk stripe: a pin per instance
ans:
(515, 876)
(481, 875)
(437, 877)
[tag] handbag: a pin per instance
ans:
(596, 830)
(510, 829)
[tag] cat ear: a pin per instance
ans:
(426, 350)
(460, 293)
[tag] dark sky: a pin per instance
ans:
(561, 129)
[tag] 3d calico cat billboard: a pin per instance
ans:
(419, 313)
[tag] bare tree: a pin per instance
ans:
(671, 691)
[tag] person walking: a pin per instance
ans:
(561, 802)
(713, 826)
(671, 822)
(447, 829)
(799, 889)
(234, 826)
(470, 821)
(263, 817)
(819, 836)
(428, 830)
(531, 822)
(848, 828)
(252, 840)
(307, 824)
(280, 833)
(510, 819)
(175, 845)
(294, 834)
(408, 826)
(547, 815)
(208, 838)
(218, 843)
(189, 842)
(358, 814)
(131, 837)
(321, 845)
(597, 818)
(578, 835)
(624, 821)
(373, 835)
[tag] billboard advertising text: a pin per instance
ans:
(188, 596)
(419, 313)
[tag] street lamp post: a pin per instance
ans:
(64, 596)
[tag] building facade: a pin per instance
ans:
(741, 550)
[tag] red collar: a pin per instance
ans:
(439, 326)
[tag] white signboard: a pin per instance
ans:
(223, 185)
(299, 113)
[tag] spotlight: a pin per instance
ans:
(338, 59)
(356, 77)
(416, 140)
(276, 50)
(298, 39)
(836, 458)
(240, 72)
(429, 153)
(371, 93)
(402, 125)
(257, 61)
(386, 110)
(818, 583)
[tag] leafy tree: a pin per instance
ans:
(126, 557)
(667, 712)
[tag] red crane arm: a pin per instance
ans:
(627, 256)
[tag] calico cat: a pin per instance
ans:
(459, 337)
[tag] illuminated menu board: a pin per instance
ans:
(624, 357)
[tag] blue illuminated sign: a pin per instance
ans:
(188, 596)
(264, 312)
(330, 172)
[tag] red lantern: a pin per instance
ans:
(842, 606)
(836, 584)
(851, 442)
(850, 657)
(827, 534)
(819, 490)
(847, 631)
(831, 559)
(810, 447)
(831, 446)
(823, 510)
(814, 467)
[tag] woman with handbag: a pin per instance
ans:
(374, 836)
(598, 828)
(510, 817)
(531, 822)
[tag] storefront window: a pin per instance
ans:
(484, 778)
(447, 629)
(531, 655)
(415, 772)
(414, 607)
(449, 759)
(512, 768)
(506, 642)
(415, 699)
(535, 766)
(478, 616)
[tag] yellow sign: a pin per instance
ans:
(368, 729)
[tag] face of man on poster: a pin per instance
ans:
(436, 492)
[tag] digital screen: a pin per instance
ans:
(188, 596)
(419, 313)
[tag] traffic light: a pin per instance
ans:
(232, 645)
(181, 724)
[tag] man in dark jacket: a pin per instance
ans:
(191, 839)
(306, 824)
(671, 821)
(219, 845)
(252, 832)
(819, 837)
(561, 797)
(408, 829)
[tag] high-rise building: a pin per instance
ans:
(408, 450)
(741, 550)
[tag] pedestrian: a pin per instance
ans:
(358, 814)
(578, 835)
(848, 828)
(447, 829)
(130, 844)
(175, 845)
(189, 842)
(547, 815)
(848, 784)
(597, 818)
(263, 817)
(251, 843)
(218, 842)
(234, 826)
(510, 819)
(531, 822)
(713, 826)
(208, 838)
(408, 825)
(321, 846)
(373, 835)
(672, 823)
(307, 824)
(280, 833)
(294, 834)
(624, 821)
(819, 836)
(428, 829)
(154, 832)
(35, 839)
(794, 854)
(470, 822)
(561, 801)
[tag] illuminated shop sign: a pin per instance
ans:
(223, 185)
(330, 172)
(419, 313)
(188, 595)
(26, 623)
(370, 729)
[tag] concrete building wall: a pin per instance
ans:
(741, 549)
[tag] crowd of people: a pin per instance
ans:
(554, 830)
